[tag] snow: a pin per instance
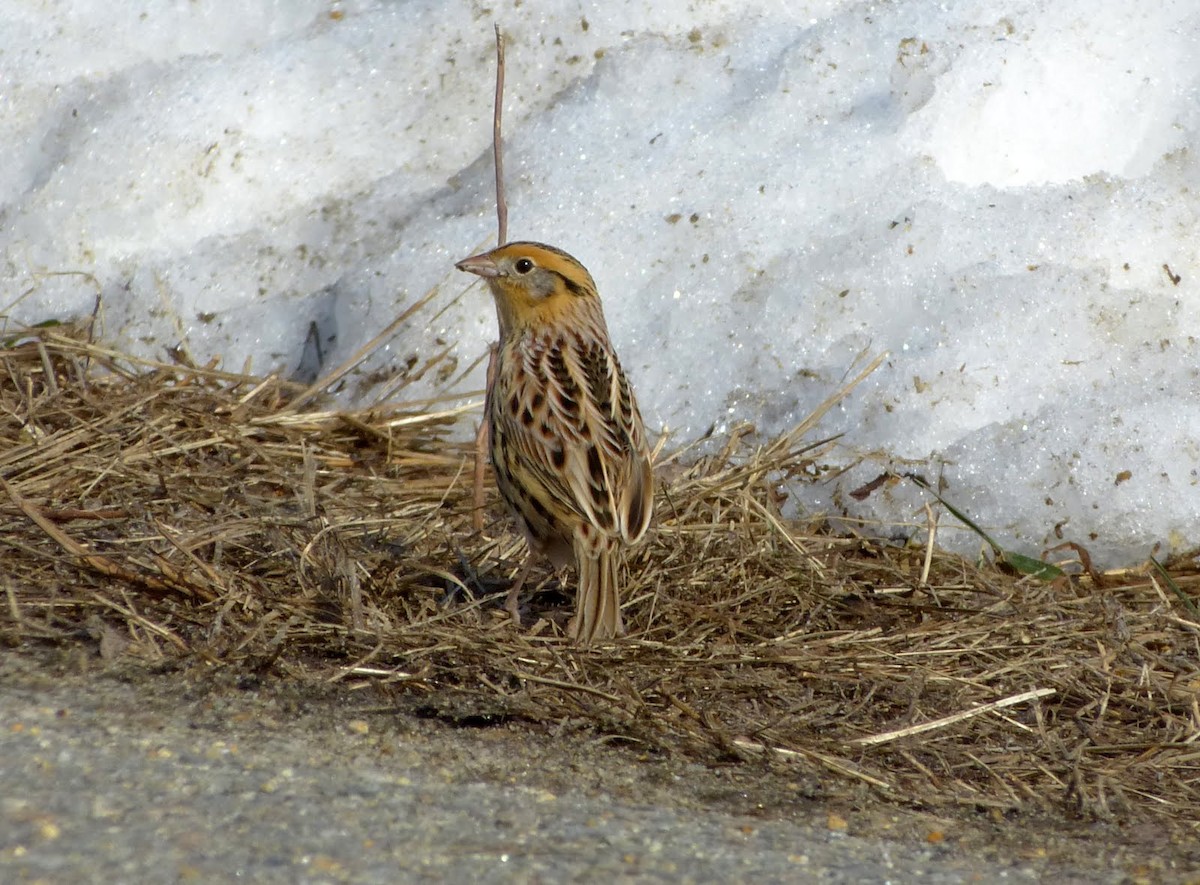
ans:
(1001, 194)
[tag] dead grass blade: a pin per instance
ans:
(156, 512)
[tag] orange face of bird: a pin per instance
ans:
(532, 283)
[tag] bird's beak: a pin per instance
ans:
(481, 265)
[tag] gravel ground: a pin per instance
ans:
(135, 777)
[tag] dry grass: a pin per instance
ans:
(169, 514)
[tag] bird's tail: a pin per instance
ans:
(597, 601)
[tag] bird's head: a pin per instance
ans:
(533, 283)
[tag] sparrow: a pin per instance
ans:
(567, 443)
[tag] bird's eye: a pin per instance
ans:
(523, 265)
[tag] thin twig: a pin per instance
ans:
(931, 521)
(953, 718)
(482, 442)
(569, 686)
(829, 762)
(497, 144)
(483, 435)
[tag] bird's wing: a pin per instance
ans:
(572, 417)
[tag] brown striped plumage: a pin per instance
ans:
(567, 441)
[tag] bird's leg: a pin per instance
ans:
(510, 601)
